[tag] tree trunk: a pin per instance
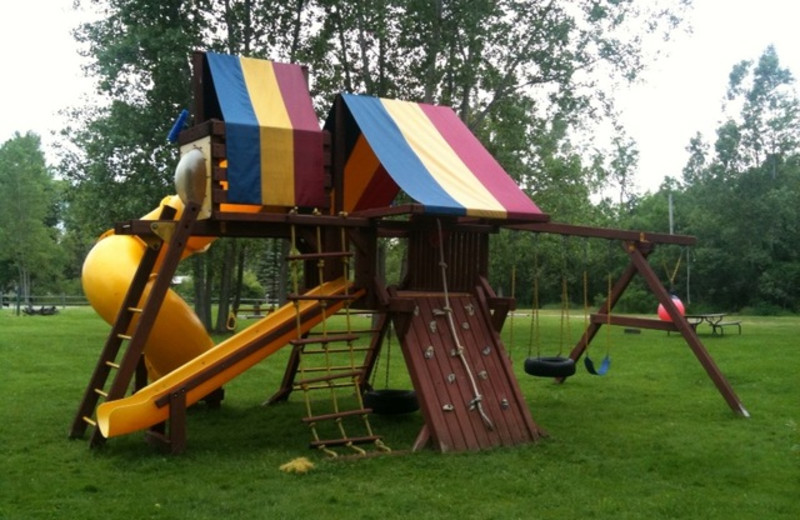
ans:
(434, 45)
(202, 301)
(283, 286)
(23, 288)
(366, 76)
(237, 289)
(296, 30)
(223, 307)
(337, 18)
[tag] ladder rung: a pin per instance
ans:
(337, 415)
(331, 377)
(124, 336)
(100, 392)
(352, 331)
(320, 297)
(336, 350)
(135, 309)
(313, 256)
(113, 365)
(325, 387)
(88, 420)
(323, 369)
(349, 440)
(325, 339)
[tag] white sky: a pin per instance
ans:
(683, 93)
(41, 74)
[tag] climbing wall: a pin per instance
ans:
(446, 384)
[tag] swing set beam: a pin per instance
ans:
(557, 228)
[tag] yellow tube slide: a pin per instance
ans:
(178, 334)
(230, 358)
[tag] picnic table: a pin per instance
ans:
(715, 319)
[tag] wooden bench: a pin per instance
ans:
(721, 326)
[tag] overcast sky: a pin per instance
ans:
(41, 73)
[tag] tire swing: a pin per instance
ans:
(390, 401)
(556, 366)
(605, 364)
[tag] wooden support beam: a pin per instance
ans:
(687, 331)
(177, 422)
(499, 307)
(338, 153)
(631, 321)
(607, 233)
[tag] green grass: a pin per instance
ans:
(653, 439)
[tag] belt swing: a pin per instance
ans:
(548, 366)
(605, 364)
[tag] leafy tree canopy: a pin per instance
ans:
(27, 214)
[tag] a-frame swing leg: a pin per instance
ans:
(689, 334)
(638, 253)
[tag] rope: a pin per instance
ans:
(609, 276)
(565, 325)
(388, 355)
(585, 300)
(351, 348)
(475, 403)
(671, 275)
(511, 321)
(326, 346)
(294, 271)
(608, 316)
(534, 335)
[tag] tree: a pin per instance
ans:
(769, 108)
(742, 200)
(27, 202)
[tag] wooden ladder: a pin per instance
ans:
(132, 343)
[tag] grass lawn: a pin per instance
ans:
(652, 439)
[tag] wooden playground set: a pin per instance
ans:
(254, 163)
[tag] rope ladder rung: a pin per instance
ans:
(315, 256)
(345, 441)
(327, 386)
(320, 297)
(330, 377)
(331, 338)
(345, 350)
(337, 415)
(334, 369)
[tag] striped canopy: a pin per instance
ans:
(430, 154)
(273, 139)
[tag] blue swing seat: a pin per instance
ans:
(599, 371)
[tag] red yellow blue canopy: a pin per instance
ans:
(273, 139)
(430, 154)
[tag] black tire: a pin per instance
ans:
(391, 401)
(555, 366)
